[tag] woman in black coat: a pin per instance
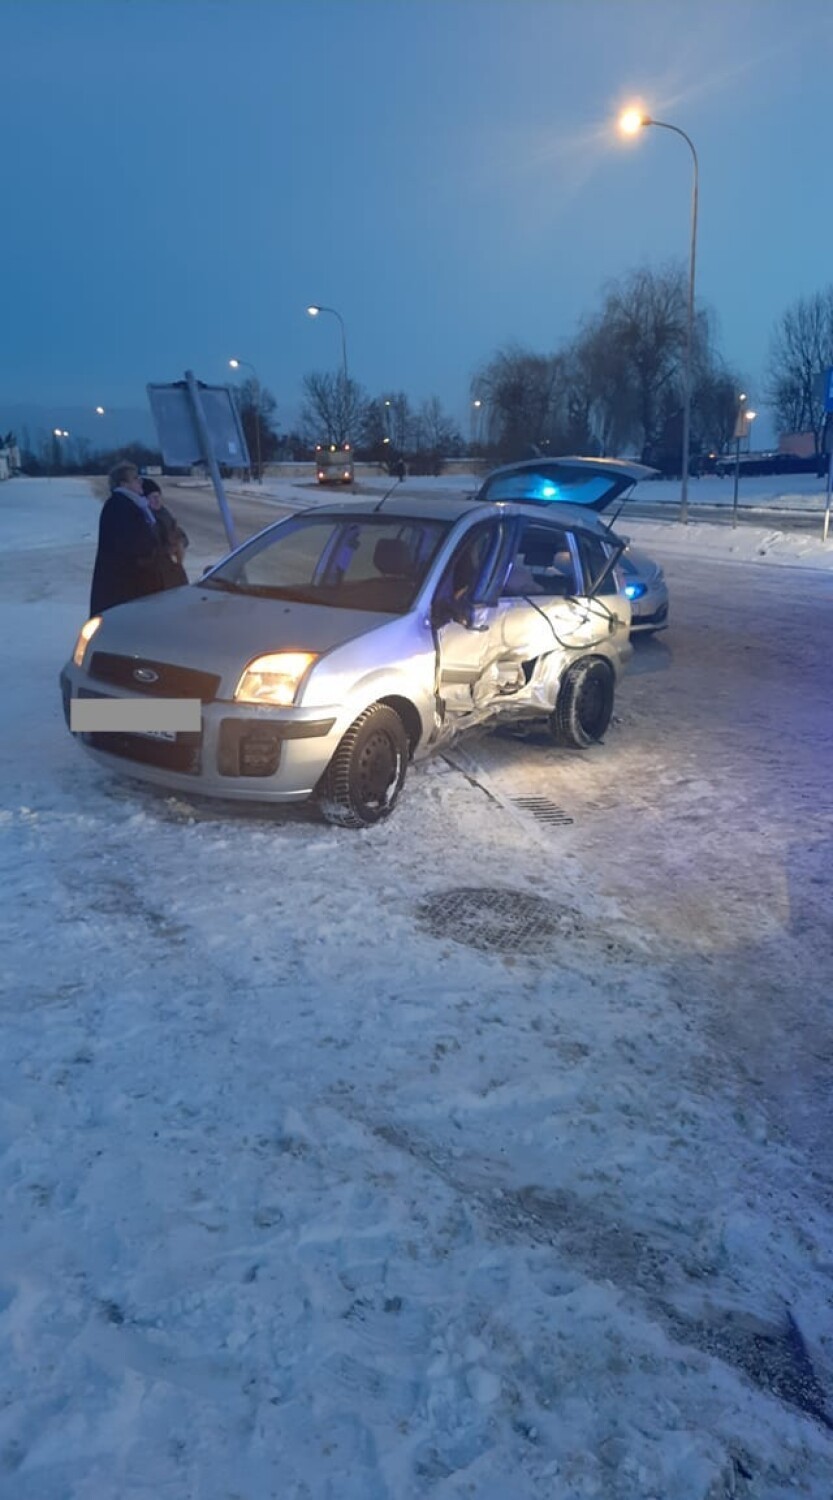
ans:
(132, 559)
(174, 539)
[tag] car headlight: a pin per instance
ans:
(635, 590)
(274, 679)
(85, 635)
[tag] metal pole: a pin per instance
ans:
(208, 454)
(257, 431)
(336, 314)
(688, 368)
(829, 488)
(737, 482)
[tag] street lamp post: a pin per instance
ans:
(630, 123)
(314, 309)
(235, 365)
(58, 433)
(743, 425)
(476, 407)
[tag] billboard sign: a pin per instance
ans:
(178, 431)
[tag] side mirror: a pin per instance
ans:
(471, 616)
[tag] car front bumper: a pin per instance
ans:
(650, 612)
(239, 752)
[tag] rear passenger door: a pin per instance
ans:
(542, 602)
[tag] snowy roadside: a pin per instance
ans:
(718, 542)
(308, 1198)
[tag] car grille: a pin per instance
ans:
(657, 618)
(184, 754)
(170, 681)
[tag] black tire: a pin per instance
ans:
(361, 784)
(584, 706)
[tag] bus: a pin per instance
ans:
(333, 463)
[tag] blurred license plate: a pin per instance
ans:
(158, 734)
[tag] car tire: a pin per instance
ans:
(584, 706)
(361, 785)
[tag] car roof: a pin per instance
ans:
(452, 507)
(414, 507)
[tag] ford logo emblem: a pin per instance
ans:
(146, 674)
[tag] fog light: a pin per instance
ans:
(260, 754)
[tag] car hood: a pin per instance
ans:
(646, 567)
(212, 631)
(592, 482)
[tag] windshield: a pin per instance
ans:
(375, 563)
(560, 484)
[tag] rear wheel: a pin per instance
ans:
(584, 706)
(361, 785)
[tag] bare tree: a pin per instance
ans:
(387, 426)
(801, 347)
(602, 403)
(434, 437)
(257, 407)
(644, 316)
(334, 409)
(524, 397)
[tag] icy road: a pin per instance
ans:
(480, 1155)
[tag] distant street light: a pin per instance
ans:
(475, 422)
(630, 123)
(58, 433)
(235, 365)
(99, 411)
(743, 426)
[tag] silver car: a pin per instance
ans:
(339, 644)
(597, 484)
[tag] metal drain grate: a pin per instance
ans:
(543, 809)
(492, 919)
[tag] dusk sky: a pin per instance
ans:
(182, 177)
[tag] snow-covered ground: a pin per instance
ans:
(801, 492)
(321, 1182)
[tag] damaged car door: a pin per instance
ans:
(465, 620)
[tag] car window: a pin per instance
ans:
(540, 486)
(469, 573)
(374, 562)
(594, 558)
(543, 564)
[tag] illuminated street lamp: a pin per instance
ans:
(313, 311)
(235, 365)
(476, 407)
(630, 123)
(743, 428)
(58, 434)
(99, 411)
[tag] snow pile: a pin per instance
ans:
(720, 542)
(800, 492)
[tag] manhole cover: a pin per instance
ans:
(492, 919)
(543, 809)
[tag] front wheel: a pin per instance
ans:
(361, 785)
(584, 706)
